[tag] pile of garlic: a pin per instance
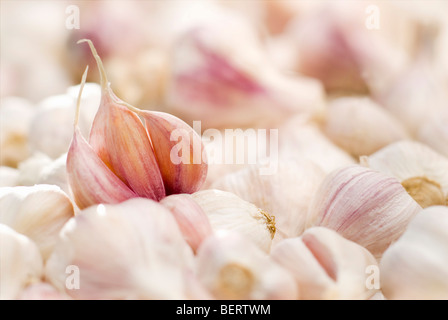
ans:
(92, 205)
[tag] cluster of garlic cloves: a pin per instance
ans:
(127, 160)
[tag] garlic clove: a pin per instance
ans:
(280, 194)
(301, 138)
(360, 126)
(125, 147)
(325, 265)
(422, 171)
(365, 206)
(20, 260)
(39, 212)
(179, 152)
(55, 173)
(29, 169)
(131, 250)
(231, 267)
(9, 177)
(15, 117)
(91, 181)
(228, 212)
(414, 267)
(191, 219)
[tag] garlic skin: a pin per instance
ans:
(144, 259)
(365, 206)
(15, 115)
(223, 87)
(360, 126)
(422, 171)
(325, 265)
(191, 219)
(20, 260)
(9, 177)
(228, 212)
(414, 267)
(39, 212)
(280, 194)
(233, 268)
(434, 132)
(302, 138)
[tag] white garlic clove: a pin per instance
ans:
(9, 177)
(20, 260)
(231, 267)
(365, 206)
(422, 171)
(15, 116)
(41, 291)
(39, 212)
(228, 212)
(51, 128)
(191, 219)
(285, 194)
(360, 126)
(55, 173)
(325, 265)
(300, 138)
(414, 267)
(29, 169)
(131, 250)
(434, 132)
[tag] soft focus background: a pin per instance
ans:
(226, 63)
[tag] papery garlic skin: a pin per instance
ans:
(365, 206)
(422, 171)
(228, 212)
(15, 116)
(39, 212)
(131, 250)
(20, 261)
(286, 194)
(231, 267)
(191, 219)
(360, 126)
(414, 267)
(325, 265)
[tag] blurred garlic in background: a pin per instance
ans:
(41, 291)
(21, 263)
(360, 126)
(9, 177)
(325, 265)
(39, 212)
(365, 206)
(434, 131)
(15, 116)
(414, 267)
(421, 171)
(232, 268)
(131, 250)
(228, 212)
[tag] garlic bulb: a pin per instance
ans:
(231, 267)
(131, 250)
(365, 206)
(228, 212)
(325, 265)
(20, 260)
(220, 75)
(280, 194)
(301, 138)
(414, 267)
(422, 171)
(434, 132)
(9, 177)
(191, 219)
(15, 115)
(39, 212)
(360, 126)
